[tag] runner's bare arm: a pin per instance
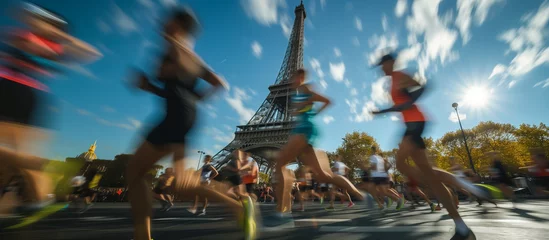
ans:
(315, 97)
(216, 81)
(407, 81)
(214, 172)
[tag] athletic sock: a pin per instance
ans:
(461, 227)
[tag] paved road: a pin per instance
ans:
(529, 220)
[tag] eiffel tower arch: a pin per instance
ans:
(269, 128)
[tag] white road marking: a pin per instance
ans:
(100, 219)
(379, 229)
(187, 219)
(323, 220)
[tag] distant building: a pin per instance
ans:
(88, 160)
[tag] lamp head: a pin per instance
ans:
(454, 105)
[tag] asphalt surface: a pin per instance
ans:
(526, 220)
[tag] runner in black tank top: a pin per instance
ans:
(179, 72)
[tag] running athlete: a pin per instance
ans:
(339, 169)
(380, 177)
(413, 146)
(499, 175)
(412, 188)
(207, 172)
(458, 170)
(162, 187)
(86, 189)
(234, 170)
(25, 55)
(305, 189)
(267, 190)
(250, 177)
(300, 145)
(179, 71)
(540, 171)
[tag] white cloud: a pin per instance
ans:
(512, 83)
(253, 92)
(465, 9)
(136, 123)
(438, 38)
(453, 117)
(256, 49)
(384, 22)
(146, 3)
(323, 83)
(328, 119)
(103, 26)
(108, 109)
(81, 70)
(83, 112)
(228, 128)
(354, 92)
(286, 25)
(364, 113)
(263, 11)
(358, 24)
(543, 84)
(322, 4)
(407, 55)
(124, 23)
(528, 43)
(217, 146)
(219, 135)
(394, 118)
(209, 107)
(337, 52)
(498, 69)
(169, 3)
(400, 8)
(337, 70)
(379, 94)
(315, 65)
(212, 114)
(383, 45)
(356, 42)
(104, 49)
(237, 103)
(347, 82)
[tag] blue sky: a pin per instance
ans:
(491, 56)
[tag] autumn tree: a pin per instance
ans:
(355, 150)
(532, 136)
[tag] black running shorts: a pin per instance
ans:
(24, 105)
(380, 180)
(250, 187)
(415, 131)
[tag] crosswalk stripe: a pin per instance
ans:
(322, 220)
(378, 229)
(187, 219)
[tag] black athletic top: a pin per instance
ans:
(181, 99)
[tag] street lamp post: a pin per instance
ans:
(455, 106)
(199, 158)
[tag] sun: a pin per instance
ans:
(477, 97)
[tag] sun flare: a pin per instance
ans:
(477, 97)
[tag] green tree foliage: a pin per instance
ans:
(510, 142)
(355, 150)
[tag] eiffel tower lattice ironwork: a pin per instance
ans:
(269, 128)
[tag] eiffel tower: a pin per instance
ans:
(268, 130)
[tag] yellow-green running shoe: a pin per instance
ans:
(250, 226)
